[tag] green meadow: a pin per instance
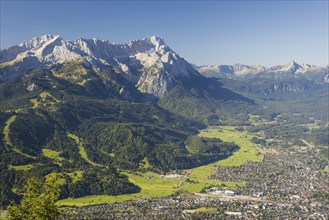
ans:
(2, 215)
(45, 99)
(7, 140)
(53, 155)
(82, 150)
(6, 130)
(22, 167)
(248, 152)
(152, 185)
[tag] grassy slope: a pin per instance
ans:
(153, 185)
(22, 167)
(2, 215)
(6, 130)
(7, 140)
(53, 155)
(45, 99)
(82, 151)
(76, 176)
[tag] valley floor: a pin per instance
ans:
(256, 182)
(192, 181)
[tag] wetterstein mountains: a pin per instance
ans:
(89, 106)
(147, 64)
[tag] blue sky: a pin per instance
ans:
(203, 32)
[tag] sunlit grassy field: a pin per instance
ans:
(45, 99)
(6, 130)
(75, 176)
(22, 167)
(2, 215)
(7, 140)
(152, 185)
(53, 155)
(82, 151)
(248, 151)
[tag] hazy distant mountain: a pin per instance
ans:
(147, 63)
(288, 81)
(290, 70)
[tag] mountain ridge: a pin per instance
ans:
(148, 63)
(291, 69)
(145, 66)
(129, 58)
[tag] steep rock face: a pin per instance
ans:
(149, 64)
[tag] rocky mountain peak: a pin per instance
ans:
(291, 66)
(39, 41)
(149, 64)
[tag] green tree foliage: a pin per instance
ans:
(38, 202)
(208, 102)
(319, 136)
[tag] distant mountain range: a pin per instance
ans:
(147, 64)
(290, 70)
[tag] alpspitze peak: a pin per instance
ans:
(35, 41)
(45, 37)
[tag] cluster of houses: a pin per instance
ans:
(194, 207)
(284, 176)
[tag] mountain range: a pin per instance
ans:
(290, 70)
(149, 64)
(94, 108)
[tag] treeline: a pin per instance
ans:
(282, 131)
